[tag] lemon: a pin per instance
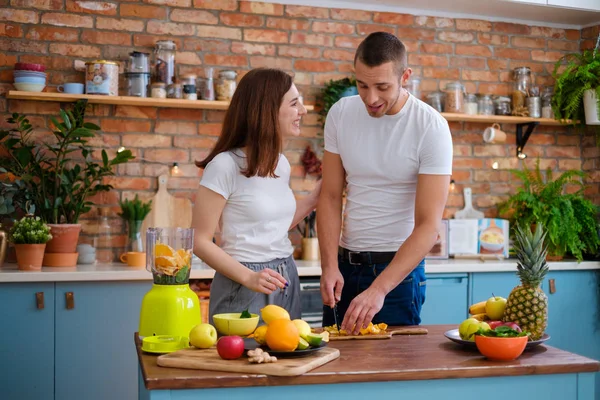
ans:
(272, 312)
(303, 327)
(260, 334)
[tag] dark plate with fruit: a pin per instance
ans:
(251, 344)
(453, 335)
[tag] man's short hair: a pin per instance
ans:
(381, 47)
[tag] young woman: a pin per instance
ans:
(245, 191)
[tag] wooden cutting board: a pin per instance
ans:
(167, 210)
(387, 335)
(209, 360)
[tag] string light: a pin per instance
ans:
(175, 170)
(452, 185)
(495, 165)
(521, 155)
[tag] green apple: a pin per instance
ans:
(494, 307)
(466, 326)
(203, 336)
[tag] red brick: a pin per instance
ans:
(473, 50)
(188, 58)
(194, 16)
(219, 32)
(535, 43)
(537, 68)
(393, 18)
(546, 32)
(299, 52)
(588, 44)
(265, 35)
(33, 107)
(119, 24)
(456, 37)
(252, 48)
(56, 62)
(125, 183)
(314, 66)
(180, 114)
(546, 56)
(150, 40)
(496, 40)
(473, 25)
(146, 140)
(591, 32)
(271, 62)
(229, 5)
(172, 3)
(366, 29)
(333, 27)
(342, 41)
(124, 125)
(75, 50)
(350, 15)
(467, 163)
(191, 142)
(48, 33)
(345, 67)
(166, 155)
(7, 59)
(233, 19)
(98, 37)
(563, 45)
(517, 29)
(146, 12)
(180, 182)
(210, 129)
(136, 112)
(427, 60)
(441, 73)
(514, 54)
(10, 30)
(563, 151)
(215, 115)
(170, 28)
(572, 34)
(216, 46)
(74, 20)
(176, 127)
(343, 55)
(541, 139)
(105, 140)
(308, 12)
(253, 7)
(495, 88)
(38, 4)
(19, 16)
(436, 48)
(287, 24)
(91, 7)
(434, 22)
(229, 60)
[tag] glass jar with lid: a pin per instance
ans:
(547, 102)
(470, 107)
(436, 100)
(225, 85)
(502, 105)
(485, 105)
(455, 97)
(175, 91)
(158, 90)
(189, 87)
(164, 61)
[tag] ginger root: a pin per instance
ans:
(258, 356)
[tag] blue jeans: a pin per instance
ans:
(402, 306)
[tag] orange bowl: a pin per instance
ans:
(501, 348)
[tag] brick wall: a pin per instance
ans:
(316, 44)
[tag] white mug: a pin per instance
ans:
(493, 134)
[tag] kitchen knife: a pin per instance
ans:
(335, 317)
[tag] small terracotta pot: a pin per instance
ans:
(30, 256)
(65, 238)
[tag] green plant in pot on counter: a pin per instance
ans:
(30, 235)
(60, 175)
(333, 91)
(133, 212)
(569, 218)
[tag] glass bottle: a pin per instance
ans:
(547, 102)
(208, 90)
(164, 61)
(455, 97)
(522, 77)
(104, 235)
(134, 236)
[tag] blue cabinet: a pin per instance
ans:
(446, 299)
(26, 341)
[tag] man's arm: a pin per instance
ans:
(431, 196)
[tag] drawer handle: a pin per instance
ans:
(70, 297)
(552, 286)
(39, 300)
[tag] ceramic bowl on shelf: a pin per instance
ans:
(29, 74)
(30, 79)
(29, 67)
(29, 87)
(232, 324)
(501, 348)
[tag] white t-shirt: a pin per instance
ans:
(383, 158)
(258, 212)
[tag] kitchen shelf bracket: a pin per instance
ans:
(522, 138)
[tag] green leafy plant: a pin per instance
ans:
(569, 218)
(61, 175)
(29, 230)
(332, 92)
(501, 331)
(134, 210)
(14, 197)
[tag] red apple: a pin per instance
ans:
(230, 347)
(494, 324)
(512, 325)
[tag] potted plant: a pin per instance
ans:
(577, 89)
(569, 218)
(310, 242)
(30, 235)
(333, 91)
(61, 175)
(133, 213)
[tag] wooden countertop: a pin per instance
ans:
(401, 358)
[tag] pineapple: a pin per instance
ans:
(527, 304)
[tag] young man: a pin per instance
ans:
(395, 154)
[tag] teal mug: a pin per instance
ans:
(72, 88)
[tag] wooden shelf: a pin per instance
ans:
(501, 119)
(123, 100)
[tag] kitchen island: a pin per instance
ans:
(407, 367)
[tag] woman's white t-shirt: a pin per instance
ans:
(258, 212)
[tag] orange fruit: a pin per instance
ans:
(163, 250)
(282, 335)
(183, 257)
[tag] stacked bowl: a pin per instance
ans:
(29, 77)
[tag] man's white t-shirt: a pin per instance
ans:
(258, 212)
(383, 158)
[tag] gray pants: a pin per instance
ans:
(228, 296)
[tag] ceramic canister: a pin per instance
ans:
(102, 77)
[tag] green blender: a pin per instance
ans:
(170, 309)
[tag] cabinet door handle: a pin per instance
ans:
(552, 286)
(39, 300)
(70, 297)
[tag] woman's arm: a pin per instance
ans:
(207, 212)
(306, 204)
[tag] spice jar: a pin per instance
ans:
(175, 91)
(470, 104)
(164, 61)
(485, 105)
(522, 86)
(436, 100)
(455, 97)
(158, 90)
(502, 105)
(225, 85)
(547, 102)
(189, 87)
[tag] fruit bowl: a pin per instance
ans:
(231, 324)
(501, 348)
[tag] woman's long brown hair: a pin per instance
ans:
(251, 121)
